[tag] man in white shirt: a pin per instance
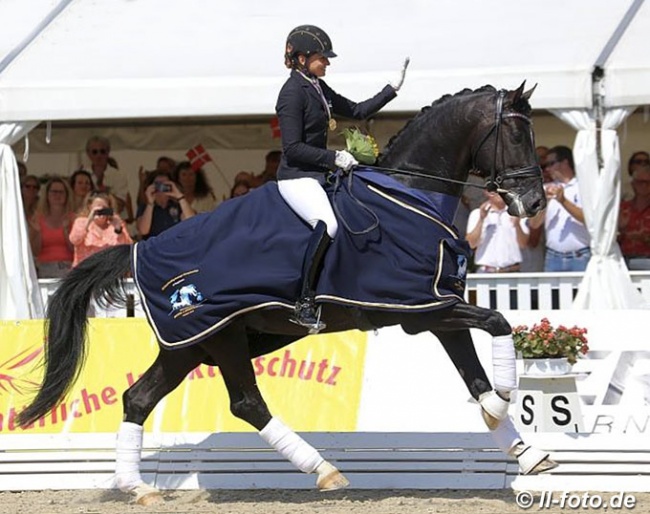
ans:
(567, 238)
(496, 237)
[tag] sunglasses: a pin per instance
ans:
(30, 186)
(96, 151)
(640, 161)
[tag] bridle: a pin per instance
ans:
(496, 179)
(493, 183)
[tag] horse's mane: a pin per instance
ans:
(522, 106)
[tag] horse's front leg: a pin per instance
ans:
(165, 374)
(460, 348)
(230, 350)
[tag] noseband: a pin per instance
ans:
(496, 179)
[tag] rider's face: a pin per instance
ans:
(317, 65)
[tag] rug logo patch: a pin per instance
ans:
(185, 300)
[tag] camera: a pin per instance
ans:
(107, 211)
(162, 188)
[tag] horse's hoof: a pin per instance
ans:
(146, 495)
(546, 464)
(330, 478)
(493, 409)
(332, 481)
(531, 460)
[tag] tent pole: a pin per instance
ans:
(598, 101)
(54, 13)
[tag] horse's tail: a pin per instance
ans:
(101, 276)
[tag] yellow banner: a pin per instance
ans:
(312, 385)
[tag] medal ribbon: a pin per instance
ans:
(314, 82)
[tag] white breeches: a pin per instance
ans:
(309, 200)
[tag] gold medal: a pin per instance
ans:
(332, 124)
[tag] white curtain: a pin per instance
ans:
(606, 284)
(19, 292)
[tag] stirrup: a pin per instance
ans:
(307, 315)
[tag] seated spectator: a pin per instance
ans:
(163, 163)
(634, 222)
(638, 159)
(240, 187)
(29, 189)
(567, 238)
(195, 187)
(81, 183)
(97, 227)
(166, 206)
(49, 229)
(496, 236)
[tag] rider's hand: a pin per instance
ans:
(398, 83)
(345, 160)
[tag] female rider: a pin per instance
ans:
(306, 107)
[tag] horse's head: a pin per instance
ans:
(505, 153)
(486, 130)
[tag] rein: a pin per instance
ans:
(493, 183)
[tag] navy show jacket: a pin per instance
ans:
(304, 124)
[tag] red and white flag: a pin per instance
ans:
(198, 156)
(275, 128)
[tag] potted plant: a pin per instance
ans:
(549, 350)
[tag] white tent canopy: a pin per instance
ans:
(107, 59)
(139, 59)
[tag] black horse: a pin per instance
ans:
(485, 130)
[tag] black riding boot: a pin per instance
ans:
(305, 313)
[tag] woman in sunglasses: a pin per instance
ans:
(97, 227)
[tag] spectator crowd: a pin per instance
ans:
(69, 218)
(557, 239)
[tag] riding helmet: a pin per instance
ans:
(307, 40)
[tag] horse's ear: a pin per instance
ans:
(529, 93)
(515, 96)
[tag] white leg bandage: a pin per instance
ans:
(291, 446)
(128, 453)
(504, 364)
(506, 435)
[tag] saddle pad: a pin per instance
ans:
(395, 250)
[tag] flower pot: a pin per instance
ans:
(547, 367)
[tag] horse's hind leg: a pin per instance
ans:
(165, 374)
(230, 350)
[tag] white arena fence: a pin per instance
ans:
(502, 291)
(396, 446)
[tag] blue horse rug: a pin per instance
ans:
(396, 250)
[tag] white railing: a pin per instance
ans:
(502, 291)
